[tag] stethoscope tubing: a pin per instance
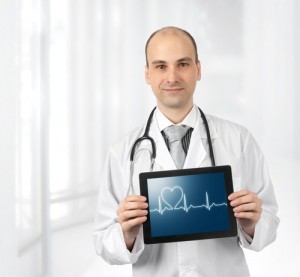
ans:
(211, 151)
(146, 136)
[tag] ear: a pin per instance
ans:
(147, 77)
(198, 70)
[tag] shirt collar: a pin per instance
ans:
(163, 122)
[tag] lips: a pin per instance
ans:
(172, 89)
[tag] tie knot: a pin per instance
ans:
(175, 132)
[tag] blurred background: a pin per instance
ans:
(72, 82)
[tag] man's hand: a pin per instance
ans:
(247, 208)
(132, 214)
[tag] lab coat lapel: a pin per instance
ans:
(197, 153)
(163, 159)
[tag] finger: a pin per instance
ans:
(129, 205)
(247, 208)
(135, 205)
(128, 215)
(247, 215)
(135, 198)
(249, 198)
(238, 194)
(128, 225)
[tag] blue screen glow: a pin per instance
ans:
(188, 204)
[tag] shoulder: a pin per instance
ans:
(227, 129)
(222, 125)
(235, 137)
(121, 148)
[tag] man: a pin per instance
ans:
(172, 70)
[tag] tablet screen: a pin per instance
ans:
(188, 204)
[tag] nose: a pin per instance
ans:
(172, 76)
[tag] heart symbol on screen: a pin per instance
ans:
(172, 196)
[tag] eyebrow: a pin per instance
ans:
(159, 62)
(185, 59)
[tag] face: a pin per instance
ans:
(172, 71)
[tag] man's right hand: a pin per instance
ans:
(132, 214)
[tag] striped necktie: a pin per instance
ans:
(174, 136)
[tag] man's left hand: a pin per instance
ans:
(247, 208)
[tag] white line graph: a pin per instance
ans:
(181, 197)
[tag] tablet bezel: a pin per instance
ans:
(226, 169)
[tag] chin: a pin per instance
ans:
(174, 105)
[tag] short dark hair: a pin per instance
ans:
(175, 29)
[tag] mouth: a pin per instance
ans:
(175, 89)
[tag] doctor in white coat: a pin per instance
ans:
(173, 70)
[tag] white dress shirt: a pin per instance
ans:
(163, 122)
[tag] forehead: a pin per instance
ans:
(169, 45)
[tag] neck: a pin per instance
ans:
(174, 114)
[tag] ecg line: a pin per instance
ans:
(186, 208)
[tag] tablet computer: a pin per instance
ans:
(188, 204)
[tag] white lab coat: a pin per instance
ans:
(233, 145)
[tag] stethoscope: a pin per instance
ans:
(146, 136)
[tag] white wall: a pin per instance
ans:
(250, 69)
(8, 123)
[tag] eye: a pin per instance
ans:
(183, 65)
(160, 66)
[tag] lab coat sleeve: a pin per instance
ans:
(256, 178)
(108, 236)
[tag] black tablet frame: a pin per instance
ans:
(226, 169)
